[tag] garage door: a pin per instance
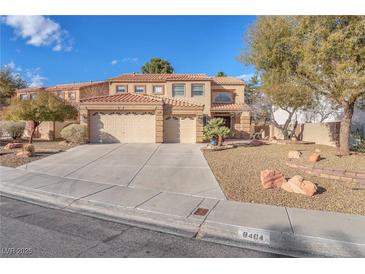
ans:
(122, 127)
(180, 129)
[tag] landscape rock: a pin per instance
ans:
(13, 145)
(315, 157)
(294, 154)
(297, 184)
(271, 178)
(256, 143)
(24, 154)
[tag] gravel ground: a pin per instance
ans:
(42, 149)
(238, 173)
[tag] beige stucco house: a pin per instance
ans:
(156, 108)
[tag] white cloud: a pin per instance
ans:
(246, 77)
(40, 31)
(15, 69)
(130, 60)
(34, 78)
(31, 76)
(114, 62)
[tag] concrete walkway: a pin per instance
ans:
(295, 232)
(175, 168)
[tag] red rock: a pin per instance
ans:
(24, 154)
(315, 157)
(297, 184)
(13, 145)
(271, 178)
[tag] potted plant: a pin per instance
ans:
(215, 131)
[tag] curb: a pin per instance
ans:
(285, 243)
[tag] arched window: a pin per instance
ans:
(223, 98)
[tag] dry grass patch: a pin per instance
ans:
(238, 173)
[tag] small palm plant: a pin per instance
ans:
(215, 129)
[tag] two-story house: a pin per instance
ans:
(156, 108)
(153, 108)
(68, 92)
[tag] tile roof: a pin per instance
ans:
(122, 98)
(227, 80)
(29, 89)
(228, 107)
(72, 86)
(135, 77)
(177, 102)
(140, 98)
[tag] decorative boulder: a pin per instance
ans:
(271, 178)
(297, 184)
(24, 154)
(13, 145)
(294, 154)
(315, 157)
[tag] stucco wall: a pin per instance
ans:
(320, 133)
(205, 99)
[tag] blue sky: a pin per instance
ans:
(50, 50)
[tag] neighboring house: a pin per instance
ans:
(156, 108)
(69, 92)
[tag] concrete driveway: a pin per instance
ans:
(176, 168)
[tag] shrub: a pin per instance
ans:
(28, 147)
(216, 129)
(74, 133)
(14, 129)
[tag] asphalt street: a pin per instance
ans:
(29, 230)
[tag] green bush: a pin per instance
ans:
(14, 129)
(215, 129)
(74, 133)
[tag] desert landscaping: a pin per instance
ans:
(238, 172)
(42, 148)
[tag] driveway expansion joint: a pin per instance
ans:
(93, 161)
(145, 163)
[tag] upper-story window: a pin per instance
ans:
(23, 97)
(121, 88)
(157, 90)
(197, 89)
(59, 94)
(223, 97)
(72, 95)
(139, 89)
(178, 90)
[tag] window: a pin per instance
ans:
(139, 89)
(222, 98)
(72, 95)
(178, 90)
(197, 89)
(59, 94)
(121, 88)
(157, 90)
(23, 96)
(33, 96)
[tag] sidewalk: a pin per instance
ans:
(289, 231)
